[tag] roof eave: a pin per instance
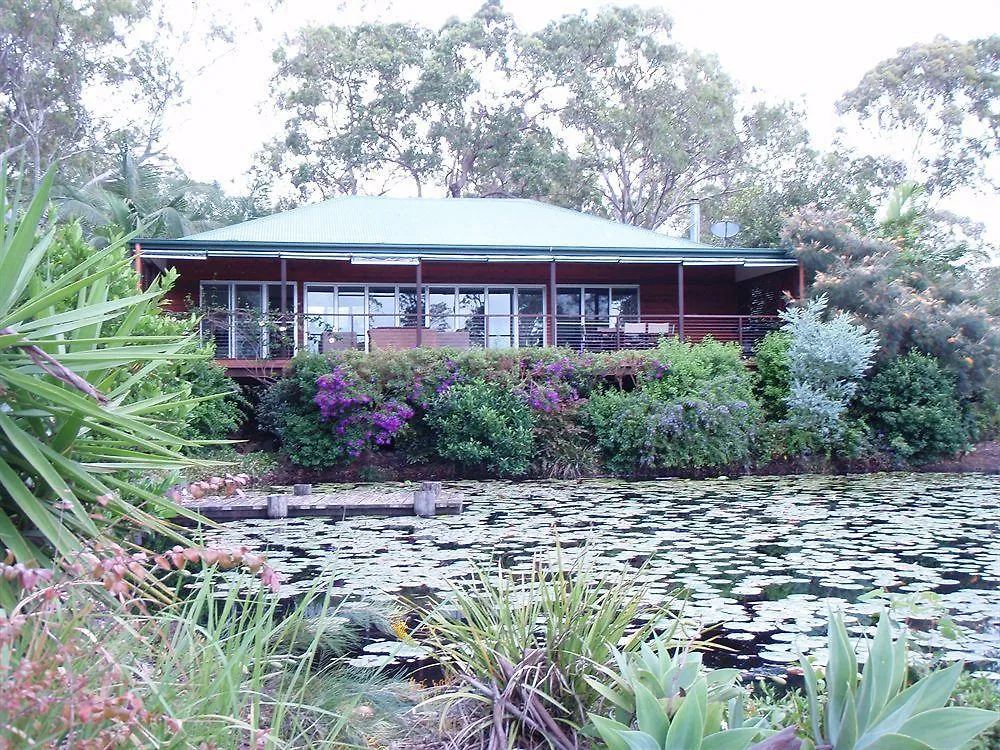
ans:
(188, 249)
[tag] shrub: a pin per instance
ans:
(826, 359)
(912, 408)
(325, 414)
(639, 433)
(480, 425)
(527, 648)
(220, 415)
(710, 370)
(564, 448)
(773, 381)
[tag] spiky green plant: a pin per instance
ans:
(674, 703)
(518, 648)
(69, 430)
(873, 710)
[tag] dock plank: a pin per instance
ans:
(345, 504)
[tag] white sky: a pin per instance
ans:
(784, 49)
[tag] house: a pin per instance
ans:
(364, 271)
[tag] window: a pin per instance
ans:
(580, 308)
(243, 319)
(493, 316)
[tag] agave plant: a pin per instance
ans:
(70, 427)
(675, 704)
(873, 711)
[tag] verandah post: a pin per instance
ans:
(420, 302)
(552, 303)
(680, 300)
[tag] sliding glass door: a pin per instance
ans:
(244, 321)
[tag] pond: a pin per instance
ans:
(761, 559)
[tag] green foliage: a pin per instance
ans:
(71, 423)
(640, 434)
(477, 424)
(223, 411)
(288, 410)
(912, 305)
(530, 645)
(979, 692)
(481, 108)
(710, 370)
(564, 447)
(773, 377)
(873, 708)
(694, 409)
(912, 408)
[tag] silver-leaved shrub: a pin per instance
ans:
(827, 357)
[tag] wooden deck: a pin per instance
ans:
(345, 504)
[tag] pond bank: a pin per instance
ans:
(380, 467)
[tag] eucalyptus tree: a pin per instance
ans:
(602, 113)
(51, 53)
(942, 100)
(656, 125)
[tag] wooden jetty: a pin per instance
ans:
(428, 500)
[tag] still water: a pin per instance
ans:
(760, 559)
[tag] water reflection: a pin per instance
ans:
(761, 558)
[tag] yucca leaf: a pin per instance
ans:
(31, 449)
(929, 693)
(812, 693)
(16, 249)
(37, 511)
(640, 741)
(847, 733)
(611, 732)
(841, 674)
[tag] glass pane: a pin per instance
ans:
(530, 323)
(568, 302)
(471, 306)
(499, 323)
(320, 309)
(569, 332)
(280, 339)
(624, 303)
(351, 312)
(217, 319)
(382, 306)
(249, 323)
(408, 307)
(596, 304)
(441, 309)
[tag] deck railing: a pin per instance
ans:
(246, 335)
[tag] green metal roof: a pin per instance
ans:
(453, 228)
